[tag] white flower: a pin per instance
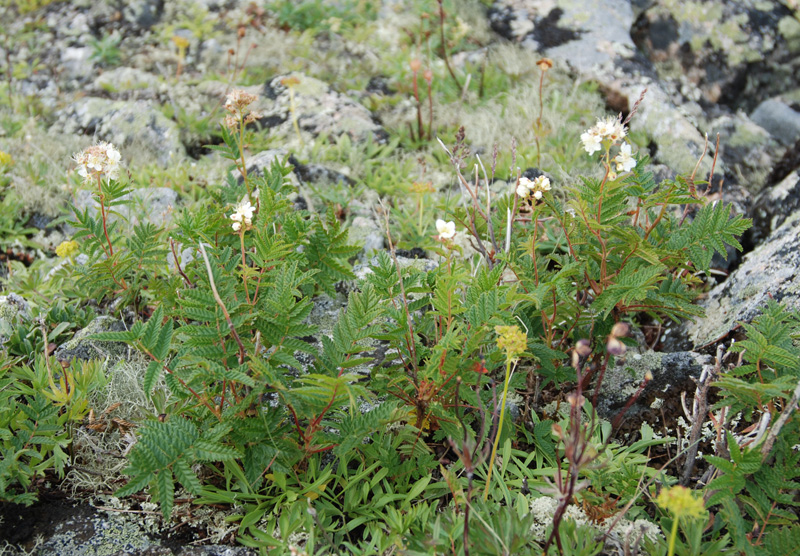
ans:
(608, 129)
(541, 183)
(524, 187)
(625, 162)
(242, 214)
(446, 229)
(99, 160)
(537, 194)
(611, 128)
(591, 141)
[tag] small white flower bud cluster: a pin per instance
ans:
(537, 187)
(101, 160)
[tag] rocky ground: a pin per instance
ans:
(150, 76)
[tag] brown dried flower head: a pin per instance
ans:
(238, 100)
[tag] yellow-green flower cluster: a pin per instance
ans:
(67, 249)
(5, 159)
(512, 340)
(681, 502)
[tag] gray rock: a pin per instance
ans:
(82, 347)
(622, 381)
(367, 232)
(779, 119)
(75, 62)
(259, 164)
(774, 205)
(586, 35)
(126, 79)
(748, 152)
(153, 204)
(142, 14)
(770, 271)
(733, 52)
(318, 110)
(141, 132)
(594, 40)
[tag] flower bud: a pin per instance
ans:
(415, 65)
(583, 347)
(615, 347)
(620, 329)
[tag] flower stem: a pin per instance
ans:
(673, 537)
(241, 155)
(103, 213)
(244, 265)
(499, 430)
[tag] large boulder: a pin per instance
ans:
(735, 53)
(768, 272)
(143, 134)
(152, 204)
(317, 109)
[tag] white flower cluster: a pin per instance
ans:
(242, 214)
(536, 186)
(101, 160)
(608, 129)
(446, 229)
(606, 133)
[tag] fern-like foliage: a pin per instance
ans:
(328, 250)
(165, 453)
(710, 231)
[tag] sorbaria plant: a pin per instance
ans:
(229, 339)
(266, 406)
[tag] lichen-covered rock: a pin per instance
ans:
(152, 204)
(127, 80)
(734, 52)
(768, 272)
(83, 347)
(142, 133)
(318, 111)
(747, 151)
(622, 381)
